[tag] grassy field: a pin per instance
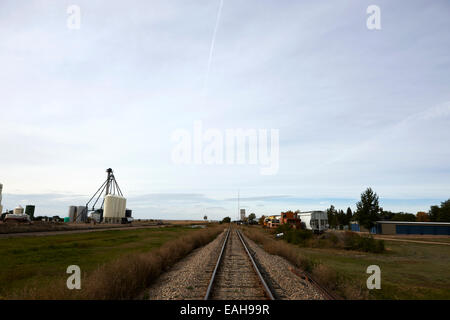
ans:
(418, 238)
(41, 226)
(39, 261)
(408, 270)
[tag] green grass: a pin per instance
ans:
(427, 239)
(408, 270)
(41, 260)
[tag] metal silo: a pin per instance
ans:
(115, 207)
(114, 204)
(81, 214)
(72, 212)
(29, 210)
(18, 210)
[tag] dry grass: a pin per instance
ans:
(128, 276)
(42, 226)
(327, 277)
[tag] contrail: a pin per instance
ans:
(213, 43)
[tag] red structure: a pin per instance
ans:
(290, 217)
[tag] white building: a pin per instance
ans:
(242, 214)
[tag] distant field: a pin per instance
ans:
(178, 222)
(408, 270)
(40, 226)
(38, 261)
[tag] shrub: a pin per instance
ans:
(283, 228)
(325, 275)
(353, 241)
(298, 236)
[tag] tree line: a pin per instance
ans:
(368, 211)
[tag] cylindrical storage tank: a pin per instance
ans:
(72, 212)
(123, 208)
(29, 210)
(18, 210)
(85, 214)
(114, 210)
(81, 214)
(109, 209)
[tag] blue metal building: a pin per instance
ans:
(406, 227)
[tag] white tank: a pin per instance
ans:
(18, 210)
(115, 207)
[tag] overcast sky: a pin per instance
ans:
(354, 107)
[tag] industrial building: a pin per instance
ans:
(316, 221)
(19, 214)
(242, 216)
(406, 227)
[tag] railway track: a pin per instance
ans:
(236, 275)
(226, 270)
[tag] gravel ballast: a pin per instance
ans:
(278, 274)
(189, 278)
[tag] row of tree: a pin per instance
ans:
(339, 217)
(368, 211)
(250, 219)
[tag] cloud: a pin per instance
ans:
(262, 198)
(172, 198)
(354, 108)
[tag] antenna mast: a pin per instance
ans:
(239, 207)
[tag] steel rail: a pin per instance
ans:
(255, 267)
(219, 260)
